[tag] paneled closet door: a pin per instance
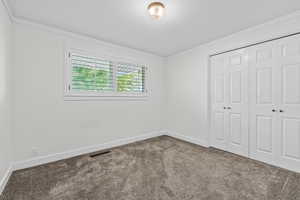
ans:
(237, 106)
(263, 98)
(289, 103)
(229, 117)
(275, 102)
(219, 95)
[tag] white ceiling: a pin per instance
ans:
(187, 23)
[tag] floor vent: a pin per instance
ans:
(99, 154)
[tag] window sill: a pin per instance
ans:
(107, 98)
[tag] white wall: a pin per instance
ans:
(186, 105)
(188, 99)
(44, 121)
(5, 94)
(47, 123)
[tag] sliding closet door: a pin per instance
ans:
(289, 103)
(230, 106)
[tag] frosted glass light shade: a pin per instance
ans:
(156, 10)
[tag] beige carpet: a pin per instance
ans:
(162, 168)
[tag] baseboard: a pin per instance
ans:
(4, 180)
(85, 150)
(179, 136)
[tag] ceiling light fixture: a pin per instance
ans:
(156, 10)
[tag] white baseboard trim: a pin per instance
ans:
(4, 180)
(202, 143)
(85, 150)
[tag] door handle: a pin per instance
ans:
(273, 110)
(229, 108)
(281, 111)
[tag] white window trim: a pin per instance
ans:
(70, 95)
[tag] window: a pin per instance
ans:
(91, 74)
(88, 76)
(130, 78)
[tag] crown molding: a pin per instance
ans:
(277, 20)
(9, 10)
(52, 28)
(82, 36)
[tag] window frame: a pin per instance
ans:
(90, 95)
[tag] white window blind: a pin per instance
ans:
(92, 76)
(130, 78)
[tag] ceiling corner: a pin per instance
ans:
(10, 7)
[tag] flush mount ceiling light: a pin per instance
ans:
(156, 10)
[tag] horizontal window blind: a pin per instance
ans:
(91, 74)
(130, 78)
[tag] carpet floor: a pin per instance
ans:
(161, 168)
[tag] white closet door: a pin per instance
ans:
(219, 97)
(237, 102)
(263, 97)
(230, 106)
(268, 75)
(289, 103)
(275, 102)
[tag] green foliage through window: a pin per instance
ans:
(89, 74)
(95, 75)
(91, 79)
(130, 79)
